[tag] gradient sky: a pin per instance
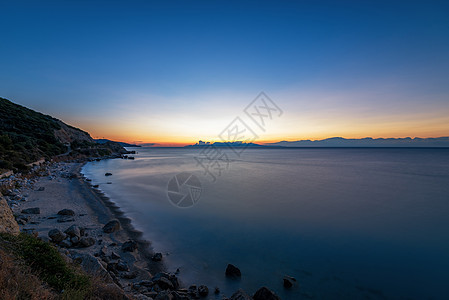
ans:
(180, 71)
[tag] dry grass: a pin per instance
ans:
(33, 269)
(17, 281)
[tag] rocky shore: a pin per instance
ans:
(58, 205)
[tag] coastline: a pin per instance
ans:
(144, 246)
(58, 197)
(61, 186)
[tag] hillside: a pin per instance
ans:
(27, 136)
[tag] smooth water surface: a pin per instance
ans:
(346, 223)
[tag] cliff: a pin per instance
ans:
(7, 222)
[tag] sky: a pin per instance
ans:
(175, 72)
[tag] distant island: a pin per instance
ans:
(367, 142)
(441, 142)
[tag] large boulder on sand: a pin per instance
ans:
(73, 231)
(111, 226)
(56, 235)
(66, 212)
(31, 211)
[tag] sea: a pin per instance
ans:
(346, 223)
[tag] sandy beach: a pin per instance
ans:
(63, 188)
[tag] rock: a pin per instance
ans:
(107, 174)
(21, 221)
(32, 211)
(56, 235)
(111, 226)
(41, 189)
(193, 291)
(75, 240)
(103, 251)
(146, 283)
(122, 266)
(7, 222)
(114, 255)
(165, 283)
(129, 246)
(240, 295)
(157, 256)
(73, 231)
(66, 243)
(164, 295)
(203, 291)
(66, 212)
(289, 281)
(174, 280)
(265, 294)
(87, 241)
(66, 219)
(92, 265)
(129, 275)
(233, 271)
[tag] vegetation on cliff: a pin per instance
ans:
(27, 136)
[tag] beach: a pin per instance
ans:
(63, 188)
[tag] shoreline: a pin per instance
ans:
(61, 186)
(58, 197)
(144, 246)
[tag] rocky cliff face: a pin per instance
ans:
(68, 134)
(7, 222)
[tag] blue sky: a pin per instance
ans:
(178, 71)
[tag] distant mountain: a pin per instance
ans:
(103, 141)
(367, 142)
(231, 144)
(27, 136)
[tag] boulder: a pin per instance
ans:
(240, 295)
(122, 266)
(114, 255)
(56, 235)
(87, 241)
(129, 246)
(289, 281)
(265, 294)
(157, 256)
(31, 211)
(75, 240)
(66, 212)
(233, 271)
(92, 265)
(111, 226)
(203, 291)
(66, 243)
(73, 231)
(165, 283)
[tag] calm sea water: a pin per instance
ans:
(346, 223)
